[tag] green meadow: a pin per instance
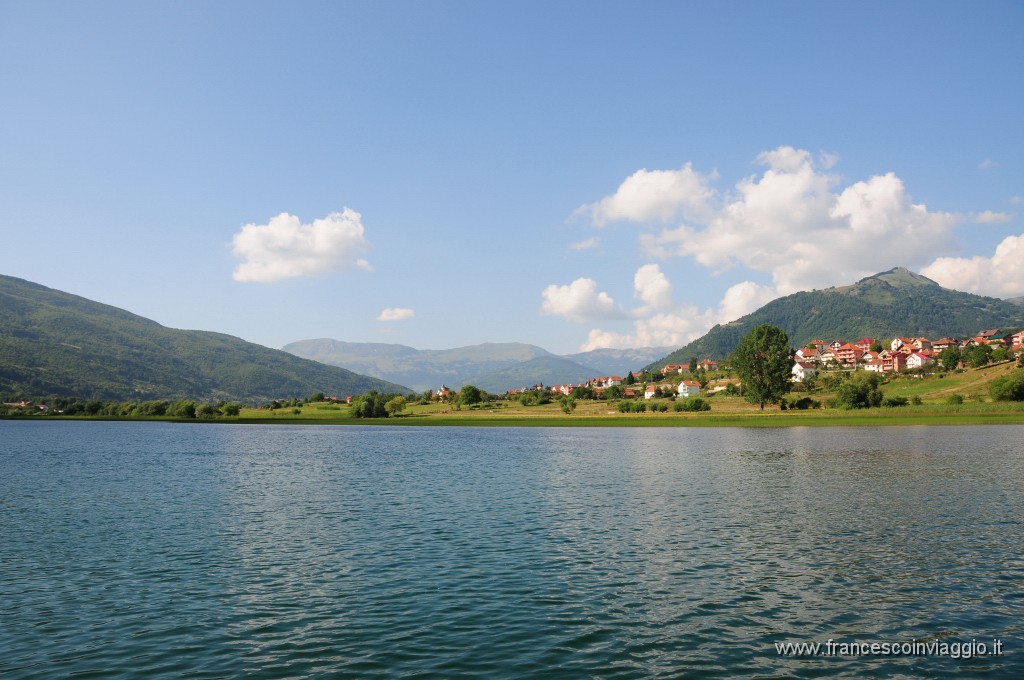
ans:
(933, 392)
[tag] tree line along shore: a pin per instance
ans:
(758, 376)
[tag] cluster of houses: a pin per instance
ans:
(902, 353)
(686, 388)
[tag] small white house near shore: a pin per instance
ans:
(688, 388)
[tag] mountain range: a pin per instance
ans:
(894, 303)
(494, 367)
(57, 344)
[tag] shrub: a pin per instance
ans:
(892, 402)
(860, 391)
(955, 399)
(693, 404)
(804, 403)
(1009, 387)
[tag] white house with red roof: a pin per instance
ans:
(918, 360)
(803, 370)
(688, 388)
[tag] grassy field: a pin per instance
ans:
(933, 392)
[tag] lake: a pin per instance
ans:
(218, 551)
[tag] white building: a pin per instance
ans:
(803, 370)
(688, 388)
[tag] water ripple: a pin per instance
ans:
(272, 552)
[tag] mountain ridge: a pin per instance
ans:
(54, 343)
(897, 302)
(495, 367)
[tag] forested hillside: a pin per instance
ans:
(893, 303)
(57, 344)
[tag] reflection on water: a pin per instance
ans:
(220, 551)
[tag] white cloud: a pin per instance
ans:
(652, 287)
(663, 324)
(998, 276)
(742, 299)
(284, 247)
(396, 314)
(586, 244)
(579, 301)
(827, 160)
(1016, 200)
(990, 217)
(653, 196)
(665, 329)
(791, 222)
(988, 164)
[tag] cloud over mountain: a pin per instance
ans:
(999, 275)
(285, 248)
(795, 221)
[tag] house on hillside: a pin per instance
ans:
(688, 388)
(803, 370)
(708, 365)
(849, 354)
(827, 356)
(874, 365)
(807, 354)
(678, 369)
(894, 362)
(918, 360)
(944, 344)
(898, 344)
(865, 343)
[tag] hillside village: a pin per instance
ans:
(869, 354)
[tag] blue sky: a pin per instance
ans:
(438, 174)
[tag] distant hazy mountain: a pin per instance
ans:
(1019, 301)
(546, 370)
(619, 361)
(494, 367)
(57, 344)
(893, 303)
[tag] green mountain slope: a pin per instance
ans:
(893, 303)
(57, 344)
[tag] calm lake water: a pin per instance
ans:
(204, 551)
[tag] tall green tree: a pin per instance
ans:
(470, 395)
(763, 363)
(949, 358)
(395, 405)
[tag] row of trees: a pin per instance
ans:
(180, 408)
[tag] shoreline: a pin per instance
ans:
(760, 420)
